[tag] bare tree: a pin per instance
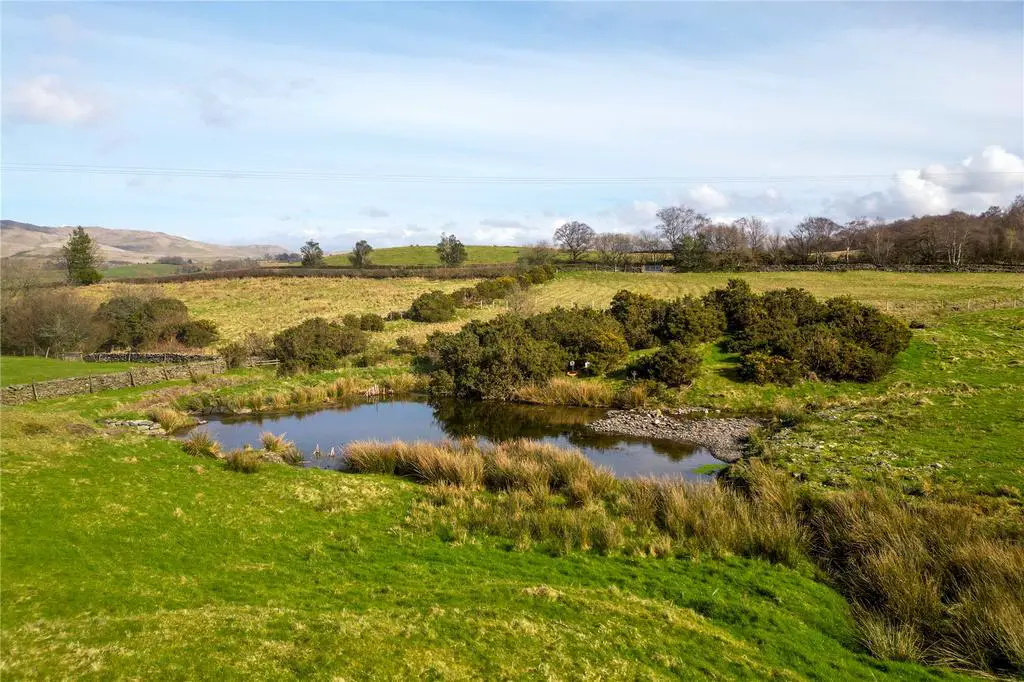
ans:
(813, 237)
(575, 237)
(679, 222)
(775, 246)
(614, 249)
(754, 230)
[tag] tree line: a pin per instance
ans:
(696, 242)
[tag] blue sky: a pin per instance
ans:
(276, 122)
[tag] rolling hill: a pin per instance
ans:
(120, 246)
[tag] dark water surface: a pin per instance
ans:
(412, 420)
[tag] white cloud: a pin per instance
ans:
(47, 99)
(374, 212)
(708, 199)
(992, 177)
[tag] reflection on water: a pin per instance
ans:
(411, 420)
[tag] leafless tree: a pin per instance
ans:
(775, 246)
(679, 222)
(754, 230)
(813, 237)
(614, 248)
(575, 237)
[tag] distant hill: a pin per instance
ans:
(120, 246)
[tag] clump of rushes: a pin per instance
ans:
(277, 447)
(929, 581)
(201, 444)
(559, 391)
(171, 419)
(245, 460)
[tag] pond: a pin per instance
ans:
(414, 419)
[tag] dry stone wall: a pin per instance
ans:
(159, 358)
(138, 376)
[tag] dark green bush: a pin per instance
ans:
(197, 333)
(867, 326)
(674, 364)
(689, 321)
(466, 297)
(494, 289)
(351, 320)
(316, 344)
(490, 359)
(586, 335)
(733, 301)
(785, 334)
(371, 323)
(641, 317)
(407, 345)
(764, 368)
(433, 306)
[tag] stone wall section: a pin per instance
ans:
(18, 394)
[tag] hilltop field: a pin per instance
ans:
(124, 557)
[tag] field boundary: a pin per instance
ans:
(19, 394)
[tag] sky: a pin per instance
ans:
(273, 123)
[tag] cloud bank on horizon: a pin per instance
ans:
(238, 122)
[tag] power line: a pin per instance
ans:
(353, 176)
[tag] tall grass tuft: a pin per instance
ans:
(245, 460)
(201, 444)
(575, 392)
(171, 419)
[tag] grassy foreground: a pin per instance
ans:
(21, 370)
(124, 557)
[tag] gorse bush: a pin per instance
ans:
(436, 306)
(640, 316)
(371, 323)
(432, 306)
(786, 334)
(586, 335)
(646, 321)
(781, 336)
(674, 364)
(490, 359)
(316, 344)
(197, 333)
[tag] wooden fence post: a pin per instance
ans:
(90, 384)
(131, 378)
(34, 396)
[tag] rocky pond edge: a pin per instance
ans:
(724, 437)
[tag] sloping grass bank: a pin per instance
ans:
(930, 582)
(124, 557)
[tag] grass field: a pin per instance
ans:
(427, 255)
(899, 293)
(124, 557)
(139, 270)
(268, 305)
(21, 370)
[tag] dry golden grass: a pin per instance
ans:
(170, 419)
(268, 305)
(559, 391)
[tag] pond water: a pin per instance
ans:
(412, 420)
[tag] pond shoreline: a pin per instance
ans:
(724, 437)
